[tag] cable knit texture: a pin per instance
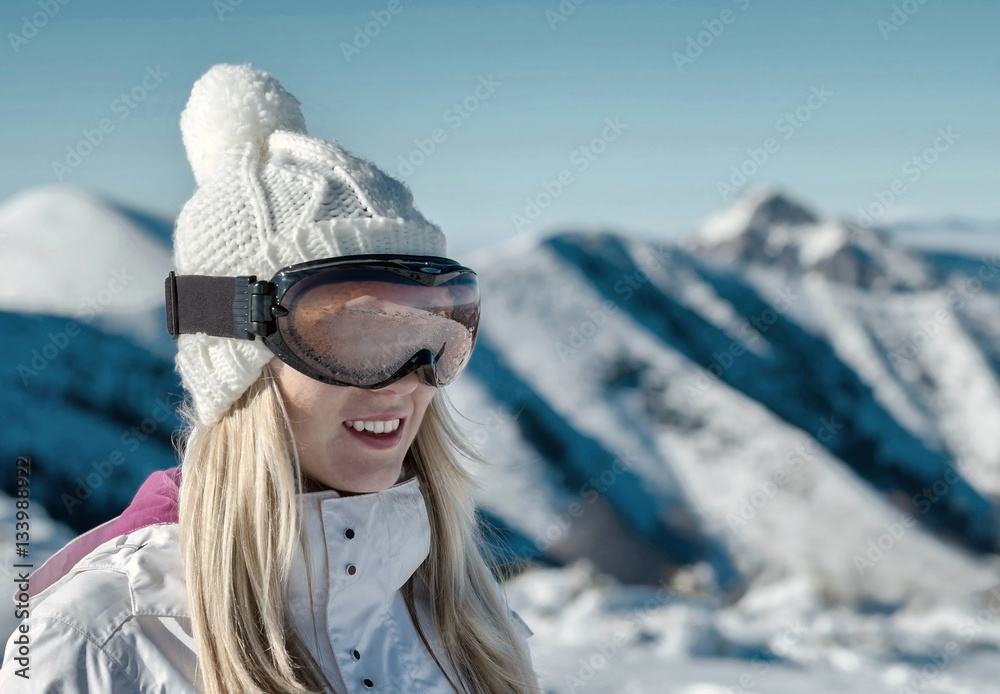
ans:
(270, 196)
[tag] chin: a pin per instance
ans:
(373, 481)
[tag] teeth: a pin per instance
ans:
(376, 427)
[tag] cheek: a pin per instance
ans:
(311, 403)
(320, 418)
(423, 399)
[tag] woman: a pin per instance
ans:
(320, 534)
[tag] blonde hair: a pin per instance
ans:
(239, 519)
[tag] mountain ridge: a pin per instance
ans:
(662, 404)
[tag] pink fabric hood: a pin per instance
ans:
(154, 504)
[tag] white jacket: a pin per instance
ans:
(118, 620)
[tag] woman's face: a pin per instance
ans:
(336, 454)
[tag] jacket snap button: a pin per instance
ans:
(368, 683)
(349, 534)
(356, 654)
(352, 569)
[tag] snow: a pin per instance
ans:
(719, 445)
(732, 506)
(525, 490)
(822, 243)
(593, 634)
(767, 227)
(948, 234)
(944, 367)
(67, 253)
(843, 591)
(759, 206)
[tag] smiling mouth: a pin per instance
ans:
(375, 426)
(391, 432)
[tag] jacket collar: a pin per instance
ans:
(395, 521)
(384, 535)
(357, 552)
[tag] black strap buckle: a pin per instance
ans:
(239, 307)
(252, 304)
(170, 287)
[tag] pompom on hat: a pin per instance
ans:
(270, 196)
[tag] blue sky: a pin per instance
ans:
(558, 77)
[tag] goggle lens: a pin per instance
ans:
(358, 326)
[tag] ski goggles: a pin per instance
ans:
(358, 320)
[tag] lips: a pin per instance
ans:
(381, 417)
(378, 422)
(383, 441)
(377, 426)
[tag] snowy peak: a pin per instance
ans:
(759, 210)
(766, 226)
(66, 252)
(713, 378)
(63, 246)
(773, 207)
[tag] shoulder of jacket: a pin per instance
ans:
(106, 624)
(55, 656)
(134, 575)
(521, 624)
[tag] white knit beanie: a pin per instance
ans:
(270, 196)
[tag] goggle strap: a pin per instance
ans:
(239, 307)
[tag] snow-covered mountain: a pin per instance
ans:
(65, 252)
(785, 419)
(807, 410)
(772, 370)
(614, 375)
(88, 385)
(767, 227)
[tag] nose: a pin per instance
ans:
(404, 386)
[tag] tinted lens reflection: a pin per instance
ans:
(361, 326)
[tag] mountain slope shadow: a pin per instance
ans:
(93, 411)
(644, 543)
(803, 381)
